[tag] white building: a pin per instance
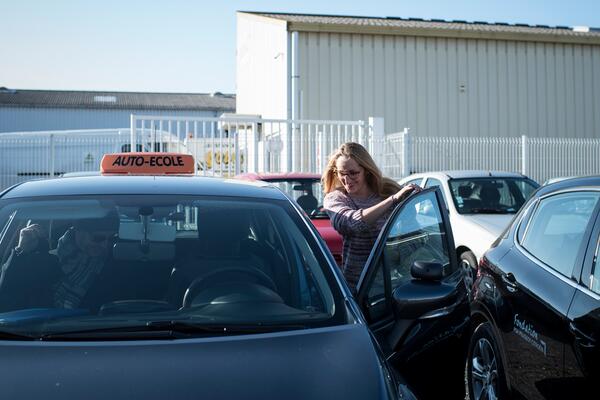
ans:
(46, 110)
(436, 77)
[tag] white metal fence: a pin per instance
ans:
(228, 146)
(233, 145)
(38, 155)
(538, 158)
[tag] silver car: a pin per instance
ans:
(480, 205)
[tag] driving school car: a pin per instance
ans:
(210, 288)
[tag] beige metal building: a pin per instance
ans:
(438, 78)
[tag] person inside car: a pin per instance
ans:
(33, 276)
(82, 252)
(28, 275)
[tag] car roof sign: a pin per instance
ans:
(147, 163)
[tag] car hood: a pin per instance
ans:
(493, 223)
(325, 363)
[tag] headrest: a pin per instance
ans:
(465, 191)
(489, 193)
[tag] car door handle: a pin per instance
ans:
(510, 282)
(584, 339)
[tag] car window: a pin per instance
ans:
(490, 195)
(556, 230)
(416, 181)
(432, 182)
(417, 234)
(377, 288)
(114, 261)
(307, 192)
(595, 281)
(525, 217)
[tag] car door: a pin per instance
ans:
(537, 283)
(582, 353)
(411, 290)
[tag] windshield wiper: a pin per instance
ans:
(191, 327)
(487, 211)
(164, 330)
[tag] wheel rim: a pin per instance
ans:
(484, 371)
(469, 272)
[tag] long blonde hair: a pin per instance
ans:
(375, 180)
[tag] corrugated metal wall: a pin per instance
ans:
(261, 67)
(452, 87)
(22, 119)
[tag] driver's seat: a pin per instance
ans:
(222, 234)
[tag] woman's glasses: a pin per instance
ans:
(348, 174)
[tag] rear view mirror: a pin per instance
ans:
(157, 232)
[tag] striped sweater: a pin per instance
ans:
(358, 237)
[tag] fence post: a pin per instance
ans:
(406, 153)
(236, 146)
(255, 140)
(51, 155)
(377, 127)
(287, 146)
(524, 155)
(132, 123)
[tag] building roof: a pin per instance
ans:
(117, 100)
(434, 27)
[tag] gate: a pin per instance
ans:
(227, 146)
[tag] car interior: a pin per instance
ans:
(219, 257)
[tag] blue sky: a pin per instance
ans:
(189, 46)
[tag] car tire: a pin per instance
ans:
(484, 369)
(468, 263)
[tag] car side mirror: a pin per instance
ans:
(427, 271)
(425, 293)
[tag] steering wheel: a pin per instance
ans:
(208, 280)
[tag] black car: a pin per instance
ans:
(536, 308)
(190, 287)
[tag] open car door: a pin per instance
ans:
(412, 290)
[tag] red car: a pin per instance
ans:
(306, 189)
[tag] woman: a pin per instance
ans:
(358, 200)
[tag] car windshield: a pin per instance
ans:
(307, 192)
(92, 265)
(490, 195)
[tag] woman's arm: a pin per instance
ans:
(347, 220)
(372, 214)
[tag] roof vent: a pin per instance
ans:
(216, 94)
(584, 29)
(105, 99)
